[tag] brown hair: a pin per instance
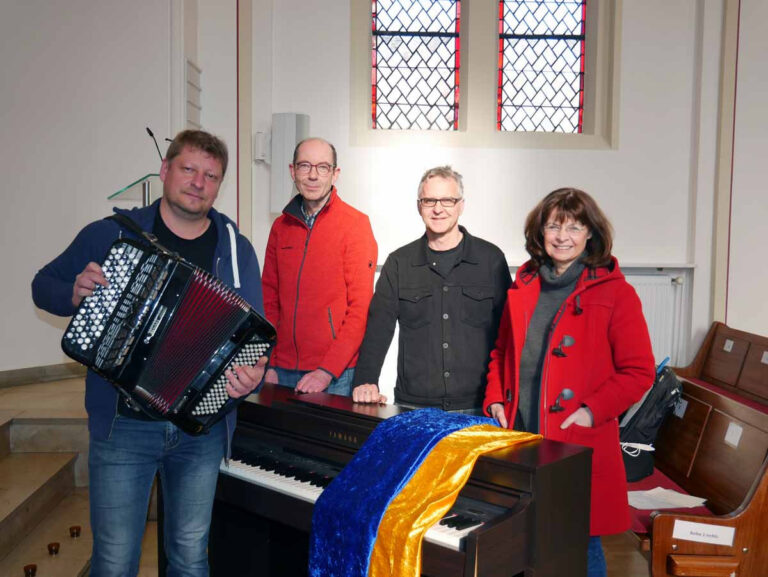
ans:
(562, 204)
(199, 140)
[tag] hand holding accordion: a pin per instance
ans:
(165, 332)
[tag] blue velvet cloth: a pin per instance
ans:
(346, 517)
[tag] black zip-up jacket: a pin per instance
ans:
(447, 324)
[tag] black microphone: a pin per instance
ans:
(566, 341)
(155, 141)
(566, 395)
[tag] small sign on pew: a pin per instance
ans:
(703, 533)
(733, 435)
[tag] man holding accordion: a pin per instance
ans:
(127, 448)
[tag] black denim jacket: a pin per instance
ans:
(447, 324)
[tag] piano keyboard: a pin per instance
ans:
(306, 483)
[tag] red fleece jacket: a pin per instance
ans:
(317, 286)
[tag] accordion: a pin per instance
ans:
(164, 331)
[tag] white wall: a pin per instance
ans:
(217, 55)
(261, 115)
(644, 182)
(656, 184)
(747, 305)
(79, 81)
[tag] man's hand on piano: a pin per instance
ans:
(86, 281)
(368, 393)
(497, 412)
(314, 382)
(243, 379)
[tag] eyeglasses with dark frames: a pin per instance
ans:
(322, 168)
(446, 202)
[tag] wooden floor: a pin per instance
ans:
(62, 399)
(623, 557)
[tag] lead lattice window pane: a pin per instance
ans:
(541, 66)
(415, 64)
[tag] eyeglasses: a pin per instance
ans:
(444, 202)
(570, 230)
(322, 168)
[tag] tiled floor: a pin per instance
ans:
(64, 400)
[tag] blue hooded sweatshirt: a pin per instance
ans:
(234, 263)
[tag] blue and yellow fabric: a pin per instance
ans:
(369, 522)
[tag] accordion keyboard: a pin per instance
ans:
(217, 394)
(89, 321)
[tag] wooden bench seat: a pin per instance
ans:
(714, 446)
(641, 518)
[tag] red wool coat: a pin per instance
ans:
(608, 367)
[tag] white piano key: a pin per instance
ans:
(440, 535)
(271, 480)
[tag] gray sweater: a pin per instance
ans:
(554, 291)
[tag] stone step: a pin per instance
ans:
(53, 435)
(74, 553)
(31, 485)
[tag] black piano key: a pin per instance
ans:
(465, 522)
(451, 522)
(315, 479)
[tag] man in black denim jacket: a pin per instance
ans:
(447, 291)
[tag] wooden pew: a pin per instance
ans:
(732, 360)
(743, 552)
(714, 446)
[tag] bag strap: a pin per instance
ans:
(131, 225)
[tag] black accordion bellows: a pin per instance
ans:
(164, 331)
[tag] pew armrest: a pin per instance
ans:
(702, 565)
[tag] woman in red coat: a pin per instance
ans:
(573, 350)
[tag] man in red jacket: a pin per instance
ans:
(318, 278)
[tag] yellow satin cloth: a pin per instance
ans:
(430, 494)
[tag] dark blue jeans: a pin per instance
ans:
(595, 558)
(340, 386)
(121, 471)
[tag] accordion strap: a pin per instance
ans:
(131, 225)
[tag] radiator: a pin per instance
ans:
(662, 299)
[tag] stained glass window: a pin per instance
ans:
(415, 64)
(541, 66)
